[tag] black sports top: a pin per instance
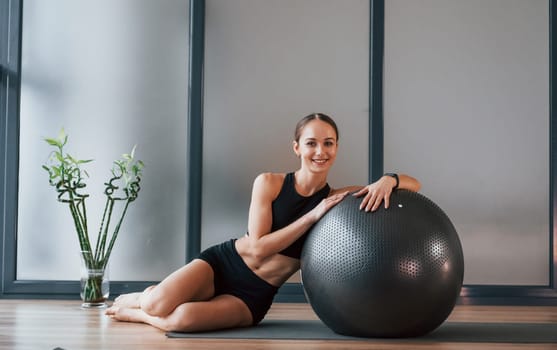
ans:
(290, 206)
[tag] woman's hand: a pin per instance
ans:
(376, 193)
(326, 204)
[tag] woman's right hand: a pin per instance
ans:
(325, 205)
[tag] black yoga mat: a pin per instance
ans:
(462, 332)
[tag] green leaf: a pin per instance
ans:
(52, 142)
(72, 159)
(62, 135)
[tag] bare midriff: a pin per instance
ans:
(275, 269)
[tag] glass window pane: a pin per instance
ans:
(113, 73)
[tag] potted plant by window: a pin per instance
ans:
(67, 177)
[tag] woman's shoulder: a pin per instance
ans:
(269, 183)
(270, 179)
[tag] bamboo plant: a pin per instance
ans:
(67, 176)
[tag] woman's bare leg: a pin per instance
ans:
(192, 282)
(223, 311)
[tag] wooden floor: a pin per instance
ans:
(40, 324)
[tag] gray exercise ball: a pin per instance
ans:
(395, 272)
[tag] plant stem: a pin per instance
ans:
(114, 235)
(83, 243)
(105, 233)
(100, 236)
(83, 216)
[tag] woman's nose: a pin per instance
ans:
(319, 149)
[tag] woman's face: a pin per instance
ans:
(317, 146)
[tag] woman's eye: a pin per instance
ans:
(312, 144)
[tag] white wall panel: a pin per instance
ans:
(466, 110)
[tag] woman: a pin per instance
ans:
(233, 284)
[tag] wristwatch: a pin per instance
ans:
(395, 176)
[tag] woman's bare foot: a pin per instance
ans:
(125, 314)
(130, 300)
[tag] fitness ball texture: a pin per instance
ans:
(396, 272)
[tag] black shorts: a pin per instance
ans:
(234, 277)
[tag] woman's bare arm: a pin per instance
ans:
(263, 244)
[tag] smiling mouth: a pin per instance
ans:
(320, 161)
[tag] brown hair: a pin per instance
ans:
(305, 120)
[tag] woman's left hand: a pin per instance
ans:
(376, 193)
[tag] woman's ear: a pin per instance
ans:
(295, 147)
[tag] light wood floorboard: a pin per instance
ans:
(48, 324)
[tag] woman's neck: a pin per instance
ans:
(308, 183)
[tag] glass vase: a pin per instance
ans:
(95, 284)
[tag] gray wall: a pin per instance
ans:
(268, 64)
(467, 112)
(114, 74)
